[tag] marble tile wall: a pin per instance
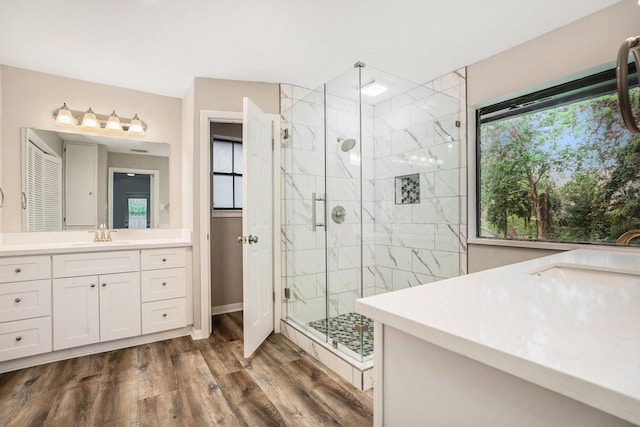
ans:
(416, 133)
(399, 245)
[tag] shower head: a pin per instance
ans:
(346, 144)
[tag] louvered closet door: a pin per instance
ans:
(43, 190)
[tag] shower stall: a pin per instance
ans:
(373, 197)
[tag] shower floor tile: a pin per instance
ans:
(342, 329)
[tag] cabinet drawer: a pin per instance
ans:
(95, 263)
(14, 269)
(163, 284)
(162, 258)
(25, 338)
(164, 315)
(24, 300)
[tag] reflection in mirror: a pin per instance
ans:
(77, 181)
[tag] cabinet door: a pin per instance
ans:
(81, 186)
(76, 318)
(119, 306)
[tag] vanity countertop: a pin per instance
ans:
(578, 336)
(47, 243)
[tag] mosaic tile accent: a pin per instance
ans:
(342, 329)
(408, 189)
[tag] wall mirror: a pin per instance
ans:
(74, 181)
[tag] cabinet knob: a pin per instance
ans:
(17, 300)
(18, 338)
(164, 283)
(93, 285)
(164, 314)
(164, 260)
(18, 270)
(104, 284)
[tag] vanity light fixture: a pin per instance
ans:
(135, 127)
(65, 117)
(113, 123)
(373, 89)
(90, 120)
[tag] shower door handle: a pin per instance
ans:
(315, 199)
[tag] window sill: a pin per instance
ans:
(227, 214)
(548, 245)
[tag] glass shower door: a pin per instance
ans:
(303, 242)
(345, 226)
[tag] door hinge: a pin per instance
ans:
(274, 296)
(287, 293)
(361, 328)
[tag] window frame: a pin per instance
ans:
(589, 84)
(230, 211)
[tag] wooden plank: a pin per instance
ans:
(249, 403)
(227, 327)
(183, 382)
(162, 410)
(117, 400)
(74, 404)
(156, 375)
(199, 394)
(295, 404)
(347, 404)
(31, 401)
(218, 357)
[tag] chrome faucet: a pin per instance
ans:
(103, 234)
(626, 237)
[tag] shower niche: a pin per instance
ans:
(393, 161)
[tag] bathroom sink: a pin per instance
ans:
(583, 274)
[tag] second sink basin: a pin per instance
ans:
(580, 273)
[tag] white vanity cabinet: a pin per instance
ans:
(163, 284)
(25, 306)
(99, 307)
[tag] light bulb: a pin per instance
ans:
(113, 123)
(65, 117)
(136, 127)
(89, 120)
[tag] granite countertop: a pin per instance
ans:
(577, 335)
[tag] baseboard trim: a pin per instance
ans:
(228, 308)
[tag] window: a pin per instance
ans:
(227, 173)
(559, 165)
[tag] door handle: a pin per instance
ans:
(252, 239)
(242, 239)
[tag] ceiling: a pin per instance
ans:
(159, 46)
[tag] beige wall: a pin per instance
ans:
(226, 253)
(217, 95)
(575, 50)
(29, 99)
(226, 261)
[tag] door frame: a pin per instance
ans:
(154, 192)
(204, 210)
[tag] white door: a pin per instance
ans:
(75, 312)
(257, 227)
(81, 186)
(119, 306)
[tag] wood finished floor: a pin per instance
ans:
(181, 382)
